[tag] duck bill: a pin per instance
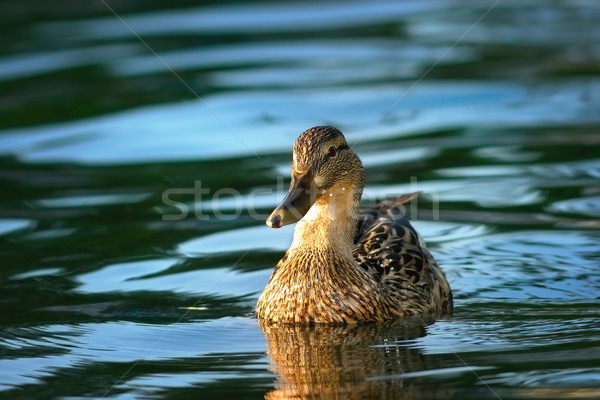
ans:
(300, 197)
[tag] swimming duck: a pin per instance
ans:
(346, 265)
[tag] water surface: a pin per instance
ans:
(140, 153)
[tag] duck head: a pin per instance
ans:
(323, 165)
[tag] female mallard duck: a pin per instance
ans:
(346, 266)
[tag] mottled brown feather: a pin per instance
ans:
(389, 248)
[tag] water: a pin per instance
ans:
(140, 154)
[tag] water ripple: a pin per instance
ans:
(524, 265)
(588, 206)
(243, 19)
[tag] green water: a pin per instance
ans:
(141, 153)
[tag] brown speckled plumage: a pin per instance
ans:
(344, 265)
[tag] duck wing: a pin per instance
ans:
(388, 247)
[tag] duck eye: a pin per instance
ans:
(332, 152)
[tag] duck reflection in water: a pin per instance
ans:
(354, 361)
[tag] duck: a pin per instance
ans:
(345, 264)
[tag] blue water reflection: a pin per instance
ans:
(142, 134)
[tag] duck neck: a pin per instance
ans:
(330, 224)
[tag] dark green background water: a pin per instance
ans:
(121, 279)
